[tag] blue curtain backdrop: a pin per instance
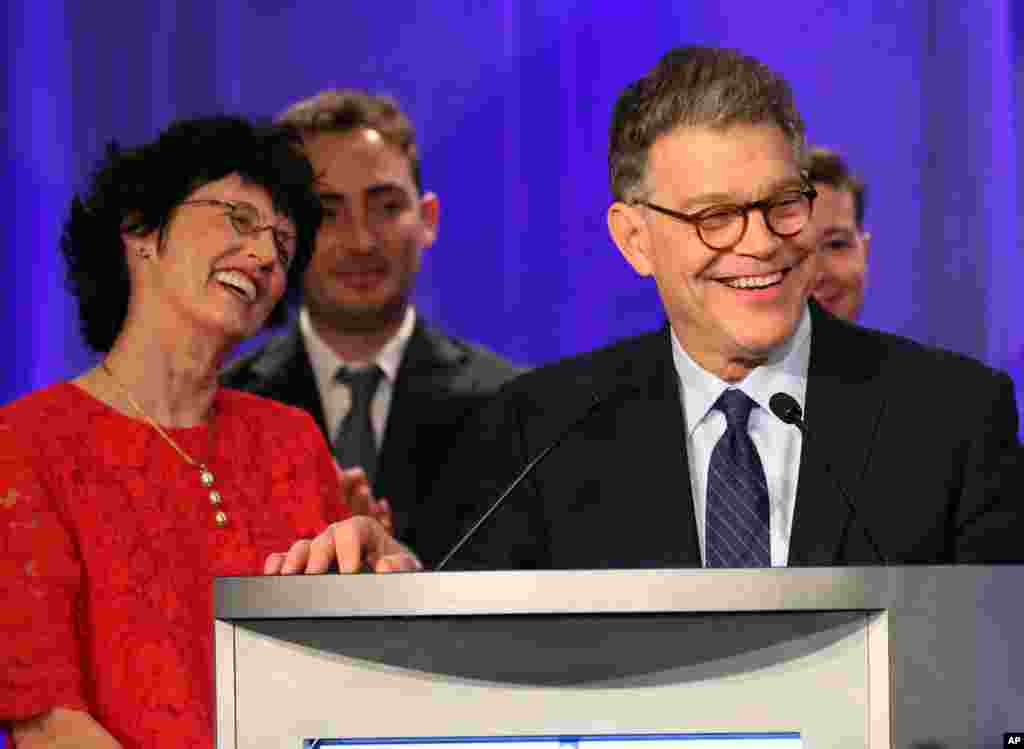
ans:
(512, 101)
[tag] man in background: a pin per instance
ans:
(388, 389)
(842, 242)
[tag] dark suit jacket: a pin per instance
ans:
(922, 439)
(441, 379)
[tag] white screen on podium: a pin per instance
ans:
(772, 740)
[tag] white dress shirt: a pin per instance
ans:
(336, 397)
(777, 443)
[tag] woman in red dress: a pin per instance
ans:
(124, 492)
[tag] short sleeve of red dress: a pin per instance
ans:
(109, 546)
(40, 582)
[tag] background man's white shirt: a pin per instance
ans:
(336, 397)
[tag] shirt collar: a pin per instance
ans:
(326, 363)
(785, 371)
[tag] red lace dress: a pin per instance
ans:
(109, 547)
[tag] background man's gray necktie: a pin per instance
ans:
(736, 531)
(355, 445)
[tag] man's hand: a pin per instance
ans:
(356, 493)
(354, 544)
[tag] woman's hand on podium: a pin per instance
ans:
(353, 545)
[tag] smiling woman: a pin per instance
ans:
(125, 491)
(139, 194)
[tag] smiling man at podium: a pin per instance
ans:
(755, 429)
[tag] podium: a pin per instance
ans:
(845, 657)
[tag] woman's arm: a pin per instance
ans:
(40, 581)
(62, 728)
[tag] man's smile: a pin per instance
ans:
(754, 282)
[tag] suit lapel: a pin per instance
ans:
(653, 453)
(285, 374)
(424, 377)
(844, 405)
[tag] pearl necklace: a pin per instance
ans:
(206, 477)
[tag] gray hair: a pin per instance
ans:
(693, 87)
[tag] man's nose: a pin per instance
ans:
(823, 280)
(358, 233)
(759, 240)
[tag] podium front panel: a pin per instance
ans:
(849, 658)
(478, 676)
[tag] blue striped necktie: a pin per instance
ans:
(737, 501)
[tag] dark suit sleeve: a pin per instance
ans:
(487, 456)
(989, 523)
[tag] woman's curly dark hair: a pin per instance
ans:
(136, 189)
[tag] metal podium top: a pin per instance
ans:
(606, 591)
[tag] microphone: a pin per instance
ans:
(786, 408)
(595, 404)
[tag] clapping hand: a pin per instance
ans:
(356, 493)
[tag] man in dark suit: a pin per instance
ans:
(667, 452)
(388, 389)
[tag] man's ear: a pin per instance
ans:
(631, 235)
(430, 217)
